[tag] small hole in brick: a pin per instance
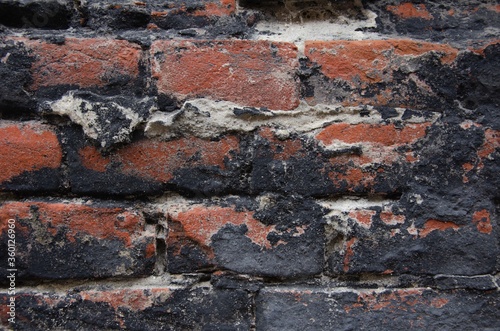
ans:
(305, 10)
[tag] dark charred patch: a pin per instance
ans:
(36, 14)
(303, 11)
(15, 75)
(442, 22)
(40, 181)
(394, 310)
(85, 181)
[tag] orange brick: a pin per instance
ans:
(27, 147)
(370, 61)
(251, 73)
(157, 160)
(83, 62)
(410, 10)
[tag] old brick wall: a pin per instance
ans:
(252, 165)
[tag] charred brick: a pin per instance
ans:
(83, 241)
(248, 241)
(317, 309)
(165, 308)
(28, 14)
(15, 64)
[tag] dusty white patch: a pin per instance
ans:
(206, 119)
(341, 28)
(102, 118)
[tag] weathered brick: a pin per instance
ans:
(139, 308)
(84, 63)
(15, 65)
(58, 240)
(388, 240)
(409, 10)
(360, 161)
(31, 157)
(376, 72)
(397, 309)
(282, 239)
(251, 73)
(376, 134)
(200, 8)
(147, 166)
(379, 147)
(172, 15)
(459, 22)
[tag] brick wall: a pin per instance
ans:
(252, 165)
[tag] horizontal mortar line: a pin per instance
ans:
(147, 200)
(192, 280)
(126, 202)
(109, 284)
(467, 276)
(134, 36)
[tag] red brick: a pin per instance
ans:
(380, 144)
(109, 240)
(391, 219)
(380, 134)
(122, 307)
(436, 225)
(377, 236)
(490, 144)
(370, 61)
(200, 223)
(218, 8)
(363, 217)
(282, 149)
(348, 252)
(481, 219)
(365, 71)
(27, 147)
(408, 10)
(83, 62)
(251, 73)
(217, 235)
(158, 160)
(133, 299)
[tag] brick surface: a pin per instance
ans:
(84, 240)
(342, 158)
(15, 74)
(388, 240)
(84, 63)
(379, 148)
(408, 10)
(425, 20)
(148, 166)
(141, 308)
(397, 309)
(155, 15)
(251, 73)
(283, 239)
(31, 157)
(375, 72)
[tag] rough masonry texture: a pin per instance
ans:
(249, 165)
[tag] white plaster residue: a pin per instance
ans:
(96, 117)
(350, 203)
(341, 28)
(206, 119)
